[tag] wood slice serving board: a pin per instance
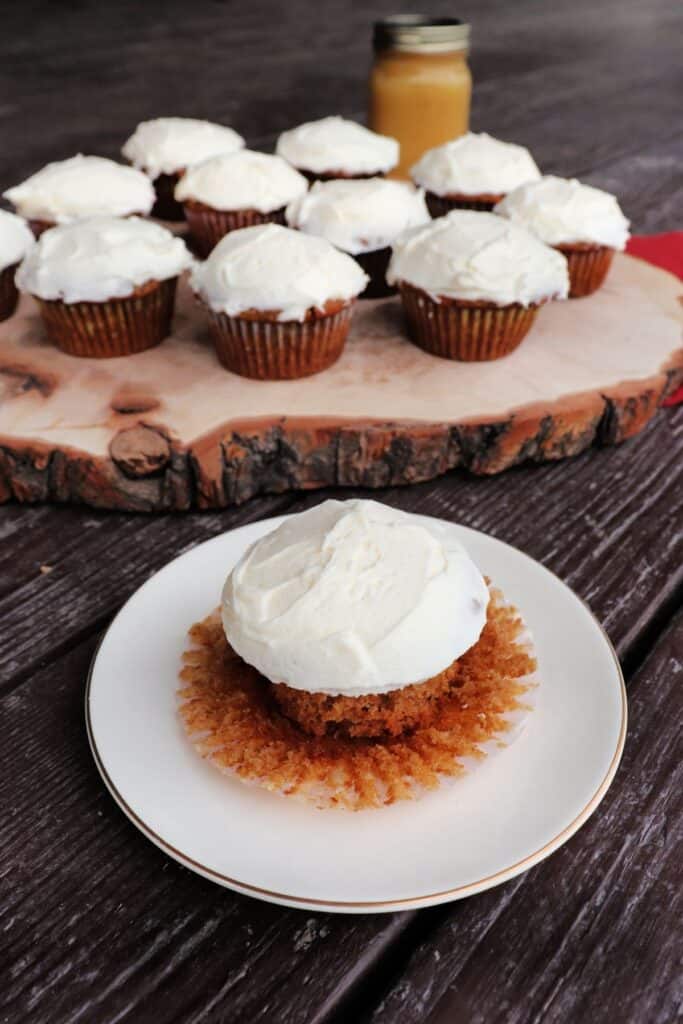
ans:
(170, 429)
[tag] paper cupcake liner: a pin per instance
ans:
(467, 331)
(279, 350)
(439, 206)
(588, 267)
(375, 266)
(229, 716)
(117, 327)
(167, 206)
(208, 226)
(9, 296)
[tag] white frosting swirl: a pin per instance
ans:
(83, 186)
(99, 259)
(16, 238)
(359, 214)
(562, 210)
(268, 267)
(475, 165)
(242, 181)
(354, 597)
(479, 257)
(170, 144)
(334, 144)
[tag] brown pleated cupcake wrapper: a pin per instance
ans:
(9, 296)
(439, 206)
(208, 226)
(274, 350)
(117, 327)
(466, 331)
(588, 267)
(375, 266)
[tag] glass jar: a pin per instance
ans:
(420, 85)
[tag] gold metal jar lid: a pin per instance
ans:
(418, 33)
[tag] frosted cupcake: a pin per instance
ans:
(234, 191)
(165, 147)
(582, 222)
(362, 218)
(472, 172)
(15, 242)
(336, 148)
(279, 301)
(471, 284)
(81, 187)
(358, 658)
(105, 286)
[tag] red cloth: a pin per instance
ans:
(664, 251)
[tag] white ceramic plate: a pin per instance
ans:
(515, 809)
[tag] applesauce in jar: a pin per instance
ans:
(420, 86)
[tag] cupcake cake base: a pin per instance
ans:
(229, 714)
(207, 226)
(265, 348)
(117, 327)
(588, 267)
(9, 296)
(439, 206)
(466, 331)
(166, 206)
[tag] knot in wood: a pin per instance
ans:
(140, 451)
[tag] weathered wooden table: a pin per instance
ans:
(97, 925)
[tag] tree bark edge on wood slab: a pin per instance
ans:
(146, 470)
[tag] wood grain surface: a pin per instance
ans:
(168, 430)
(96, 924)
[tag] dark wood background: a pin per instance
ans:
(97, 925)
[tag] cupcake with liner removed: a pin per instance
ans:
(472, 283)
(165, 147)
(78, 188)
(359, 657)
(105, 286)
(362, 218)
(582, 222)
(336, 148)
(236, 190)
(473, 172)
(16, 240)
(279, 301)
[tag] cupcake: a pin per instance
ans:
(236, 190)
(15, 241)
(362, 218)
(582, 222)
(471, 284)
(472, 172)
(279, 301)
(165, 147)
(105, 286)
(336, 148)
(84, 186)
(358, 657)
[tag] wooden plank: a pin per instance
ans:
(386, 412)
(593, 933)
(606, 522)
(97, 922)
(98, 925)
